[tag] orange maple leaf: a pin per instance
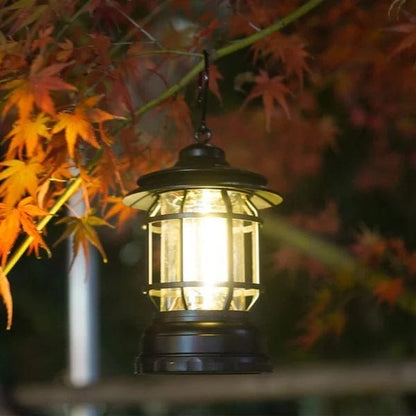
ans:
(13, 220)
(82, 230)
(35, 89)
(66, 50)
(388, 290)
(119, 210)
(18, 178)
(7, 297)
(79, 123)
(58, 173)
(271, 90)
(26, 134)
(44, 39)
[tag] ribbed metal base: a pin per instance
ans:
(202, 342)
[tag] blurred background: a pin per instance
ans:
(338, 256)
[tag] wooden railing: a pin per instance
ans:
(320, 380)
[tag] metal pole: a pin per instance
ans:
(82, 317)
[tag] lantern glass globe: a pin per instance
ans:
(204, 252)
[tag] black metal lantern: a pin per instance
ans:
(203, 263)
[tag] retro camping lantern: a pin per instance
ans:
(203, 261)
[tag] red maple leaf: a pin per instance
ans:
(180, 114)
(214, 76)
(290, 50)
(272, 90)
(388, 290)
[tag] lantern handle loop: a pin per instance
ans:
(203, 134)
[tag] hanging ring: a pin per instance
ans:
(203, 134)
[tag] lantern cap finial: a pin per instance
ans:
(201, 155)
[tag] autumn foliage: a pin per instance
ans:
(96, 92)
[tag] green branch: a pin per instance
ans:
(229, 49)
(18, 253)
(338, 259)
(63, 199)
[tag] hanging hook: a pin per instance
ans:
(203, 134)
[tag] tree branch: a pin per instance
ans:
(335, 258)
(76, 183)
(72, 188)
(227, 50)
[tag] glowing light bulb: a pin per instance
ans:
(205, 242)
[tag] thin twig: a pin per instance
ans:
(137, 26)
(73, 18)
(168, 52)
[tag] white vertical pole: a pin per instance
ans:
(82, 317)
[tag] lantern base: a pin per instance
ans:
(202, 342)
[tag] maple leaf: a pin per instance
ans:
(107, 173)
(409, 40)
(95, 114)
(35, 89)
(209, 24)
(181, 116)
(214, 76)
(102, 46)
(27, 133)
(23, 13)
(18, 178)
(370, 246)
(44, 39)
(57, 174)
(13, 220)
(66, 50)
(7, 297)
(388, 290)
(289, 49)
(79, 123)
(120, 210)
(271, 90)
(121, 98)
(82, 230)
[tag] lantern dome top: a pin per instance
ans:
(201, 165)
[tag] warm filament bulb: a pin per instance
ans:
(205, 246)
